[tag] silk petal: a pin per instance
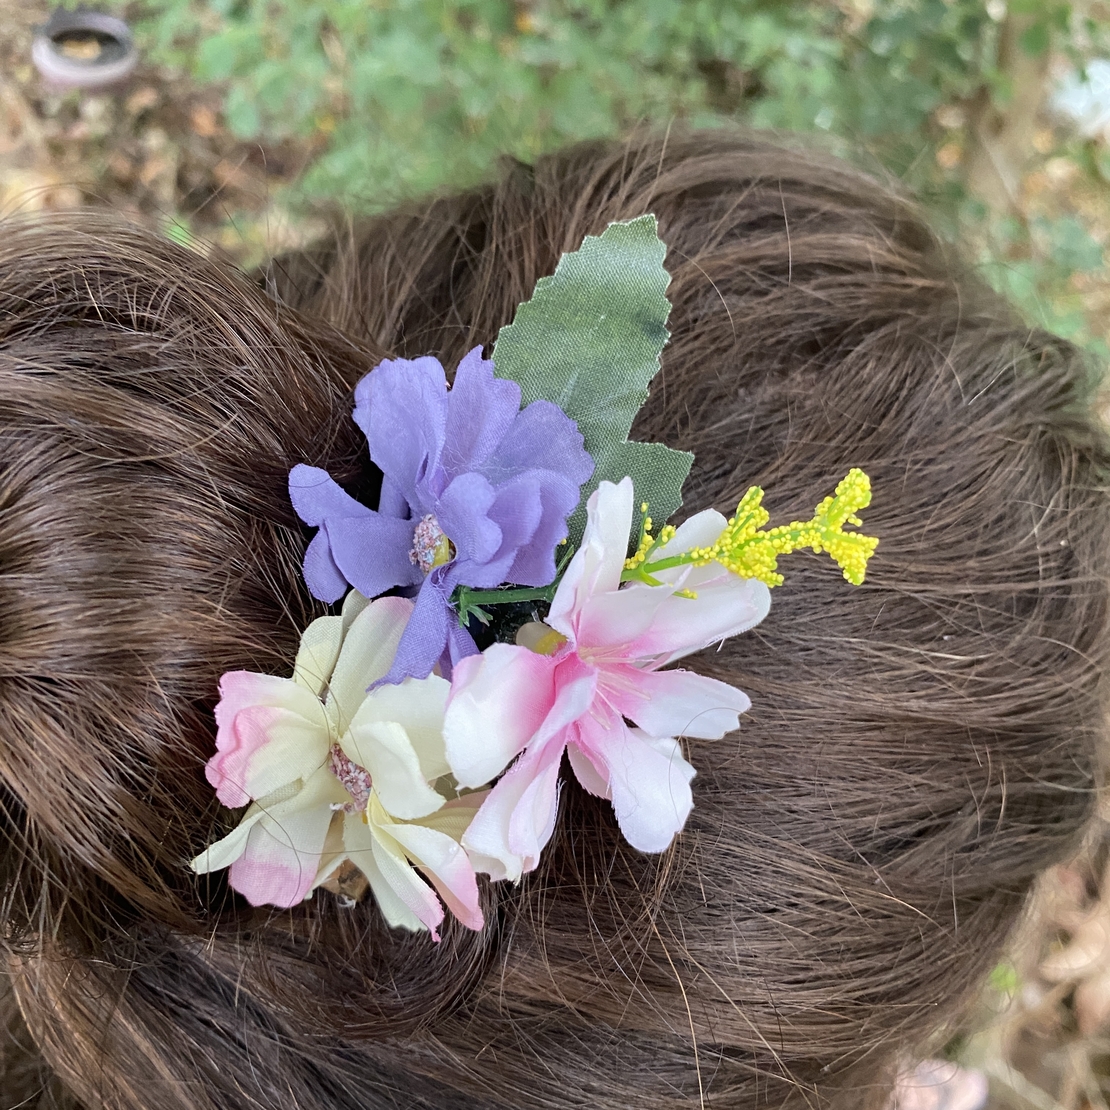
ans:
(497, 702)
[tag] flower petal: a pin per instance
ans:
(676, 703)
(725, 605)
(534, 563)
(462, 513)
(518, 817)
(368, 651)
(320, 644)
(321, 573)
(384, 749)
(401, 878)
(497, 702)
(427, 632)
(575, 689)
(358, 842)
(444, 862)
(401, 405)
(270, 731)
(648, 778)
(480, 410)
(418, 705)
(700, 530)
(281, 860)
(592, 777)
(597, 565)
(516, 511)
(543, 438)
(228, 849)
(455, 816)
(368, 550)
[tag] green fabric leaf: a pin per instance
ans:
(589, 340)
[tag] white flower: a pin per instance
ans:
(336, 774)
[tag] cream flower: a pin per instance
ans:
(337, 775)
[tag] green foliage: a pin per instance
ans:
(589, 340)
(415, 94)
(396, 97)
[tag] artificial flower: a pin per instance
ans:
(336, 774)
(475, 492)
(596, 669)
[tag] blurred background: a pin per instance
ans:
(244, 122)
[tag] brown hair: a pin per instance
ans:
(918, 748)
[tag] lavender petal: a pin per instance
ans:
(368, 550)
(462, 513)
(321, 575)
(534, 562)
(542, 437)
(401, 405)
(480, 411)
(426, 634)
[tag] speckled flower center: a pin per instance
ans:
(430, 547)
(355, 779)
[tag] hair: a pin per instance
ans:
(918, 749)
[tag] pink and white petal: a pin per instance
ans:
(575, 690)
(227, 850)
(671, 750)
(241, 689)
(320, 644)
(675, 703)
(358, 840)
(262, 749)
(649, 781)
(700, 530)
(614, 621)
(367, 654)
(518, 817)
(498, 700)
(445, 864)
(418, 705)
(725, 605)
(597, 565)
(592, 777)
(404, 882)
(282, 857)
(384, 749)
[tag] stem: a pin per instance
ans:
(469, 601)
(470, 598)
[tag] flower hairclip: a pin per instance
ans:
(514, 511)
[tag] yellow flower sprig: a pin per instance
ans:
(749, 552)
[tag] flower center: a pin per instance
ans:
(430, 547)
(355, 779)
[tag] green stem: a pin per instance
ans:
(469, 598)
(469, 601)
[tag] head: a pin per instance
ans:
(918, 748)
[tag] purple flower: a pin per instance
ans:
(475, 492)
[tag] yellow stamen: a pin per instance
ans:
(751, 553)
(540, 638)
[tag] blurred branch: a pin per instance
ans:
(1002, 134)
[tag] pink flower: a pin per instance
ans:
(338, 775)
(604, 671)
